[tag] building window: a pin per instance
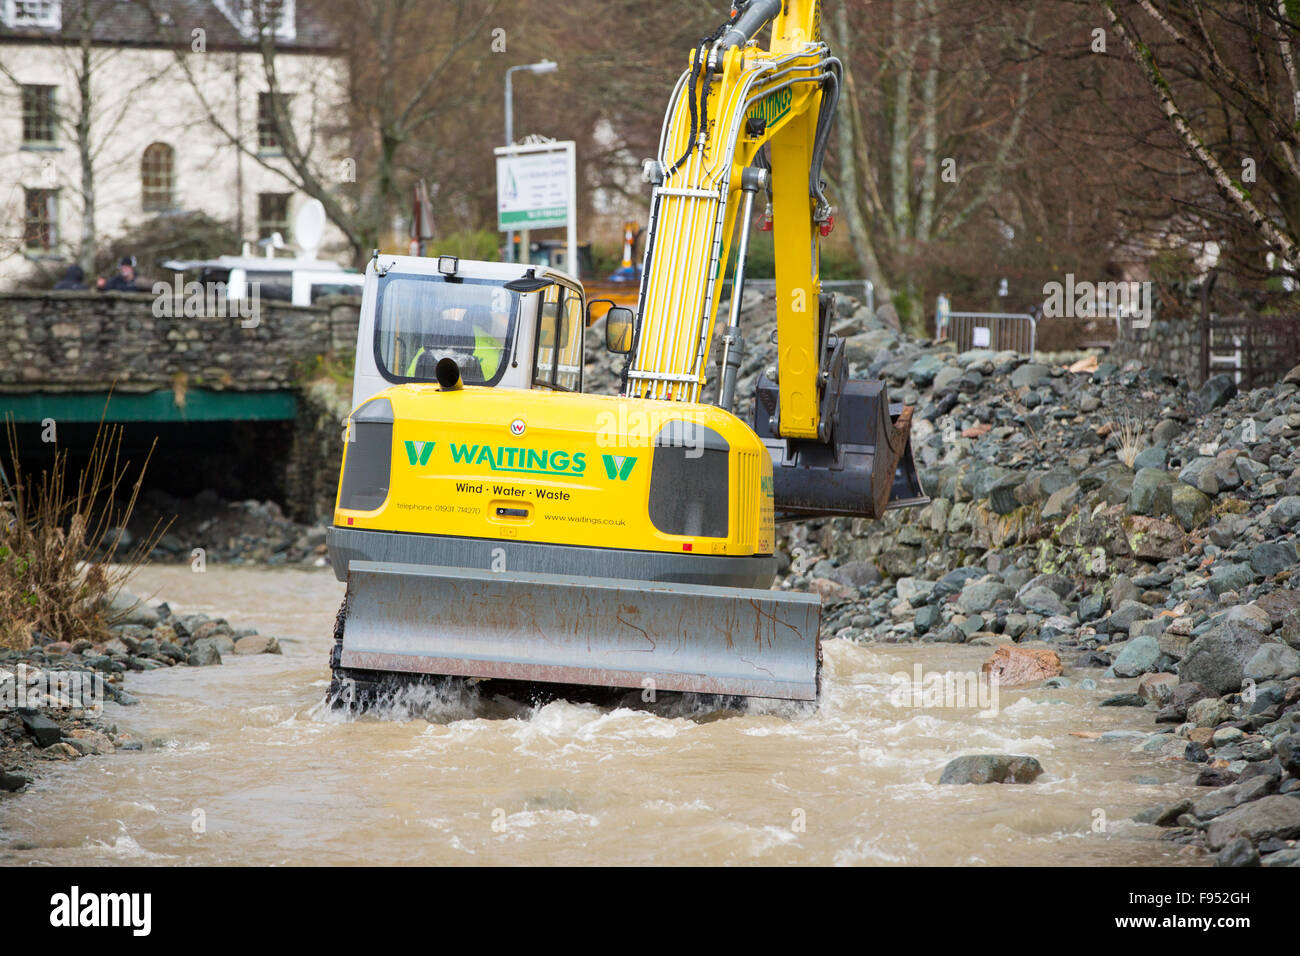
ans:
(273, 215)
(156, 177)
(41, 220)
(268, 136)
(254, 17)
(39, 120)
(46, 14)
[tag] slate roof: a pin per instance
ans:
(169, 22)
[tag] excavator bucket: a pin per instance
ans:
(865, 469)
(605, 632)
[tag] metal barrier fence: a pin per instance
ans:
(996, 331)
(1256, 350)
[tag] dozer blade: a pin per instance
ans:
(603, 632)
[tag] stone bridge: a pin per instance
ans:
(76, 357)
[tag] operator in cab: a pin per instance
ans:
(473, 335)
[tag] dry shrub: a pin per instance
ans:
(61, 556)
(1129, 438)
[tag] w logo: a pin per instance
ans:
(618, 466)
(419, 451)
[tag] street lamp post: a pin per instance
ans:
(545, 66)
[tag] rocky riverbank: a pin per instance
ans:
(1105, 516)
(206, 528)
(52, 694)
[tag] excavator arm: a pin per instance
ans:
(744, 121)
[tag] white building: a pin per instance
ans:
(131, 109)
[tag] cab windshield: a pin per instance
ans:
(422, 319)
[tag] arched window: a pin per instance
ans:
(157, 178)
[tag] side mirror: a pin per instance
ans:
(618, 330)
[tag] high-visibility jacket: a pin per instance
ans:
(487, 349)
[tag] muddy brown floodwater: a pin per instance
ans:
(243, 765)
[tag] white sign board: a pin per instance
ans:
(981, 338)
(534, 186)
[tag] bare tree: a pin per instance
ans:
(1224, 76)
(401, 58)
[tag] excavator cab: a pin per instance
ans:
(505, 325)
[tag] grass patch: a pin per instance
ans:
(335, 366)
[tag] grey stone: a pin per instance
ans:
(1272, 557)
(1226, 577)
(44, 731)
(1218, 390)
(1002, 496)
(1147, 483)
(1285, 512)
(1272, 662)
(1124, 700)
(1200, 474)
(1287, 748)
(1238, 852)
(980, 596)
(1122, 618)
(1154, 457)
(125, 608)
(926, 619)
(1274, 816)
(1185, 504)
(204, 653)
(1029, 375)
(924, 369)
(856, 574)
(11, 781)
(1164, 815)
(993, 768)
(947, 377)
(1208, 712)
(1217, 659)
(1138, 656)
(1250, 615)
(1043, 600)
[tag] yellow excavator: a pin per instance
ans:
(496, 522)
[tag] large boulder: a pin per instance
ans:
(993, 768)
(1217, 659)
(1012, 666)
(1274, 816)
